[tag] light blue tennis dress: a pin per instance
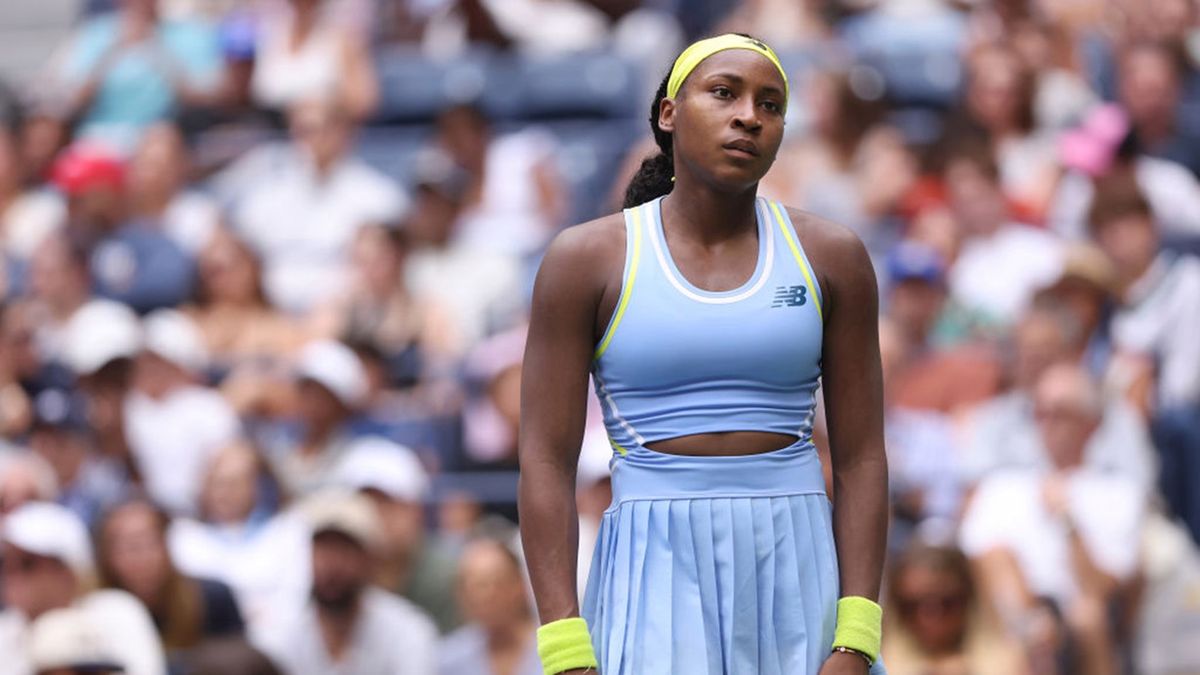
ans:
(713, 565)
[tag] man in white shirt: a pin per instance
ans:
(1159, 290)
(1067, 533)
(46, 560)
(300, 206)
(173, 423)
(349, 626)
(1001, 263)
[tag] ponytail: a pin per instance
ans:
(656, 175)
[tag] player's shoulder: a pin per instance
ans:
(825, 237)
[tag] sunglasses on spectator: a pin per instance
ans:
(933, 604)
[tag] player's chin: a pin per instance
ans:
(738, 176)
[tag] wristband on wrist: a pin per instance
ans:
(859, 627)
(565, 645)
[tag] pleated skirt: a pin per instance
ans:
(715, 566)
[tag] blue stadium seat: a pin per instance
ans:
(507, 87)
(919, 58)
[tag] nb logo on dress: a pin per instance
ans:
(790, 296)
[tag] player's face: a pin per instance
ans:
(728, 118)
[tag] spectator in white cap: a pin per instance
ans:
(66, 641)
(175, 424)
(99, 345)
(331, 391)
(349, 625)
(47, 564)
(412, 562)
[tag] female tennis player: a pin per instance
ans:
(706, 317)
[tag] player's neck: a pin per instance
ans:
(708, 215)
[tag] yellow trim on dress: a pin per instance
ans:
(621, 451)
(791, 241)
(626, 286)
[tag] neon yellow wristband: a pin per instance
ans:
(565, 645)
(859, 626)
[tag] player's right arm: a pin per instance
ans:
(573, 290)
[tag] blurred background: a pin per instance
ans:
(264, 275)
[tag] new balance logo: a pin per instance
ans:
(790, 296)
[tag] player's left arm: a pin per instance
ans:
(853, 385)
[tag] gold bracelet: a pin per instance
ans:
(847, 650)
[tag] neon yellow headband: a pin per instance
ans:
(698, 51)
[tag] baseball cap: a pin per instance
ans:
(375, 463)
(172, 335)
(53, 531)
(99, 332)
(337, 368)
(914, 261)
(345, 512)
(81, 168)
(66, 638)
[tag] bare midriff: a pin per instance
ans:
(729, 443)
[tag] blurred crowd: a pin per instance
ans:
(265, 269)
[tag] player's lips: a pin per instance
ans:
(742, 146)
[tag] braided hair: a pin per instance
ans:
(654, 178)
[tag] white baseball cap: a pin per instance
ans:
(350, 513)
(99, 332)
(376, 463)
(48, 529)
(69, 639)
(337, 368)
(172, 335)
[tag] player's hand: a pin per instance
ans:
(840, 663)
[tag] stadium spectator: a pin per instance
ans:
(1105, 149)
(1002, 262)
(88, 483)
(159, 195)
(1062, 531)
(65, 641)
(47, 563)
(99, 345)
(331, 390)
(512, 199)
(58, 286)
(24, 478)
(239, 325)
(134, 265)
(303, 55)
(127, 69)
(480, 287)
(939, 625)
(27, 213)
(998, 105)
(172, 421)
(239, 538)
(851, 166)
(412, 562)
(499, 636)
(350, 625)
(1003, 433)
(414, 335)
(1157, 290)
(132, 556)
(1150, 87)
(320, 192)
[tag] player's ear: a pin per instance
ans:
(666, 115)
